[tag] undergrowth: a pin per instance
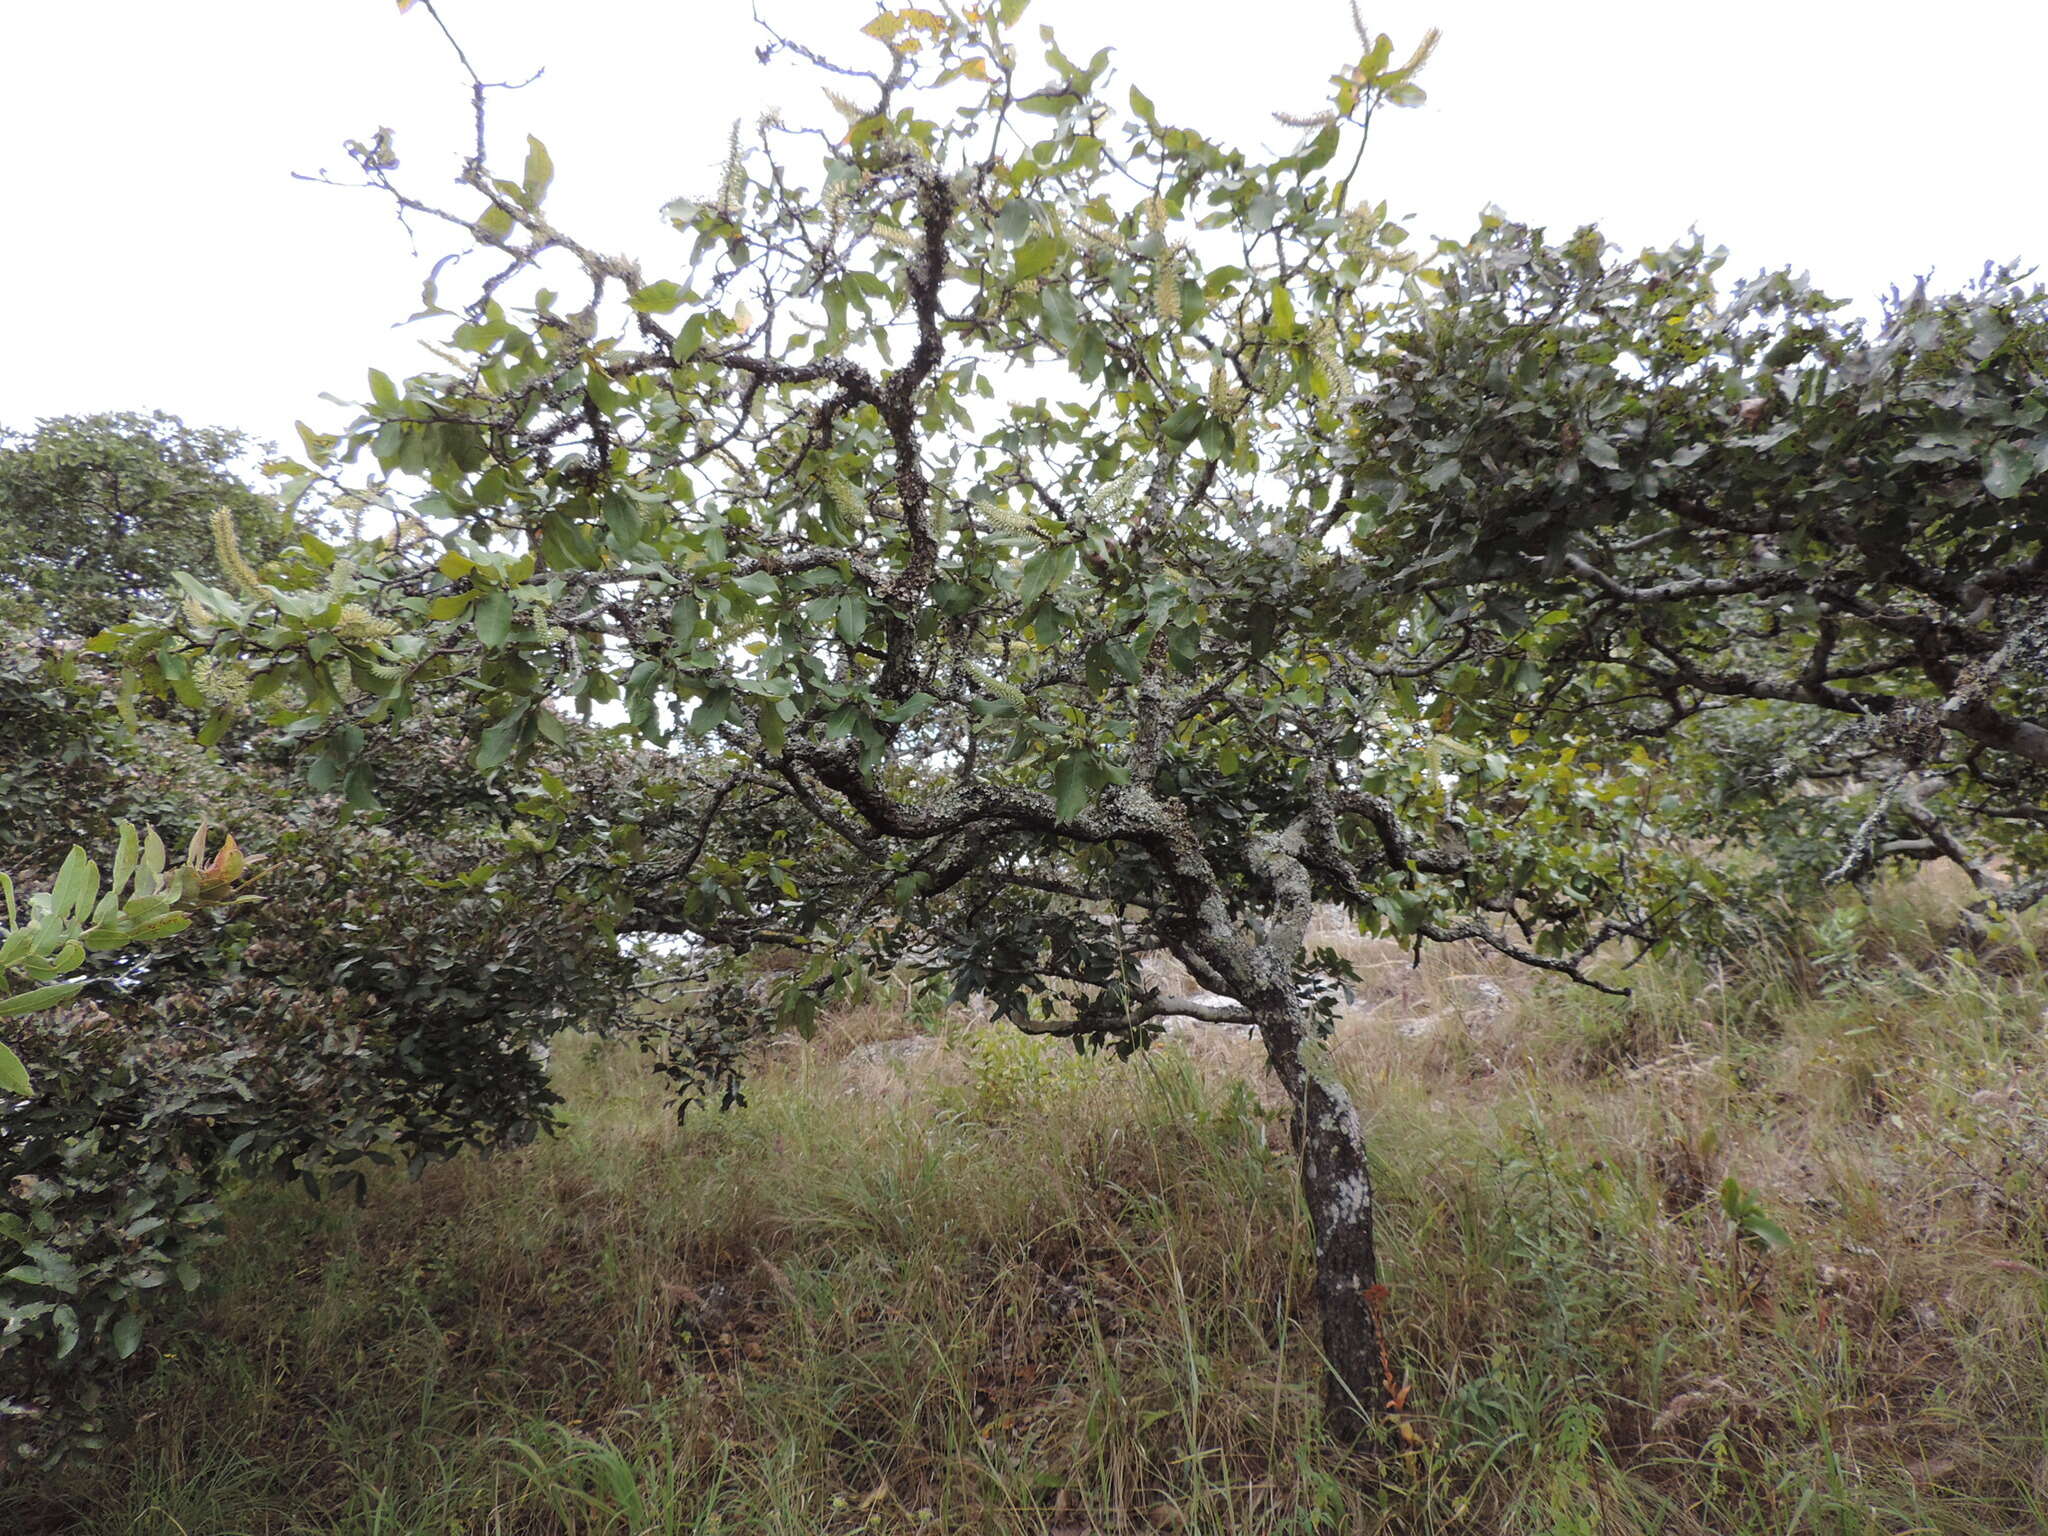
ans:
(1038, 1296)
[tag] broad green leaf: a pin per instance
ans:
(500, 741)
(540, 170)
(13, 1075)
(493, 618)
(2007, 469)
(1070, 785)
(658, 299)
(37, 998)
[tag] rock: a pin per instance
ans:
(891, 1070)
(892, 1053)
(1489, 1001)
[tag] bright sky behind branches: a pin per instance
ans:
(160, 255)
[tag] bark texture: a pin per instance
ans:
(1336, 1184)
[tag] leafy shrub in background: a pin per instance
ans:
(382, 1002)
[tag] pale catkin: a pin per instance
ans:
(733, 185)
(1113, 499)
(1166, 290)
(901, 239)
(221, 684)
(228, 549)
(999, 688)
(197, 614)
(338, 579)
(1009, 521)
(1324, 342)
(356, 622)
(1359, 226)
(845, 496)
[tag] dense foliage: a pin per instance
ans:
(383, 1000)
(1007, 538)
(974, 501)
(1815, 546)
(97, 512)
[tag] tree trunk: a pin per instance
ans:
(1335, 1181)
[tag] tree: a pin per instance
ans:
(96, 512)
(1821, 540)
(972, 506)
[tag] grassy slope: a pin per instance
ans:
(1035, 1295)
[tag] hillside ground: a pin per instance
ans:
(992, 1287)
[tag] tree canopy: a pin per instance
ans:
(97, 512)
(1815, 544)
(968, 495)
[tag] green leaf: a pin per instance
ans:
(1070, 783)
(1766, 1232)
(493, 619)
(13, 1075)
(127, 1335)
(1123, 659)
(77, 887)
(38, 998)
(853, 619)
(540, 170)
(658, 298)
(127, 855)
(1183, 424)
(1281, 325)
(1043, 572)
(500, 741)
(1061, 316)
(2007, 470)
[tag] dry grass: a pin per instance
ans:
(1029, 1294)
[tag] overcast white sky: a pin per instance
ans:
(159, 254)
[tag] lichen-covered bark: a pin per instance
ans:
(1336, 1185)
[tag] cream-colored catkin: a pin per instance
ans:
(197, 614)
(732, 186)
(1009, 521)
(228, 548)
(1360, 224)
(845, 496)
(1113, 499)
(355, 622)
(902, 239)
(1422, 51)
(339, 578)
(999, 688)
(1330, 360)
(221, 684)
(1166, 289)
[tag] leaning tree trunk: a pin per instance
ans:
(1336, 1183)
